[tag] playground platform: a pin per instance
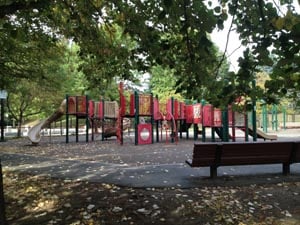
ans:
(142, 166)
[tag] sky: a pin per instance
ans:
(220, 38)
(234, 48)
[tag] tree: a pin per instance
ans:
(118, 37)
(24, 41)
(30, 97)
(272, 36)
(162, 83)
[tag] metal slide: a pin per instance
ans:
(262, 135)
(34, 132)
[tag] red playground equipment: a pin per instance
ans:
(166, 120)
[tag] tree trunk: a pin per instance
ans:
(19, 133)
(20, 120)
(2, 202)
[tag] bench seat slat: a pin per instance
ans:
(202, 162)
(229, 161)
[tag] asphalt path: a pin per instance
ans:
(145, 166)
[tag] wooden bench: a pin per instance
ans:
(296, 153)
(214, 155)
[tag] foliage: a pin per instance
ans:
(162, 83)
(31, 98)
(27, 100)
(119, 39)
(272, 37)
(24, 41)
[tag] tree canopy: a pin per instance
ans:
(118, 37)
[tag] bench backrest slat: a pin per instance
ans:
(204, 154)
(256, 153)
(296, 153)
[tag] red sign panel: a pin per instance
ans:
(91, 108)
(189, 113)
(144, 134)
(182, 110)
(208, 115)
(217, 117)
(197, 113)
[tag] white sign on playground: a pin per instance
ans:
(3, 94)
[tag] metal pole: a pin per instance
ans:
(2, 119)
(172, 125)
(254, 114)
(67, 119)
(284, 118)
(157, 122)
(136, 117)
(102, 119)
(87, 118)
(225, 124)
(152, 118)
(246, 127)
(264, 118)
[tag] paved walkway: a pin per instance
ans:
(157, 165)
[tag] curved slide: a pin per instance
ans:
(34, 132)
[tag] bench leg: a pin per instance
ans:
(213, 172)
(286, 169)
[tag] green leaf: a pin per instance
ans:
(168, 3)
(220, 24)
(217, 9)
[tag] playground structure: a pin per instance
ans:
(34, 133)
(167, 120)
(174, 117)
(101, 114)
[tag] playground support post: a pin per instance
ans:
(203, 134)
(67, 119)
(246, 127)
(172, 125)
(225, 125)
(264, 118)
(195, 129)
(152, 118)
(87, 118)
(121, 129)
(213, 137)
(136, 117)
(77, 121)
(254, 127)
(157, 125)
(284, 117)
(102, 119)
(274, 118)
